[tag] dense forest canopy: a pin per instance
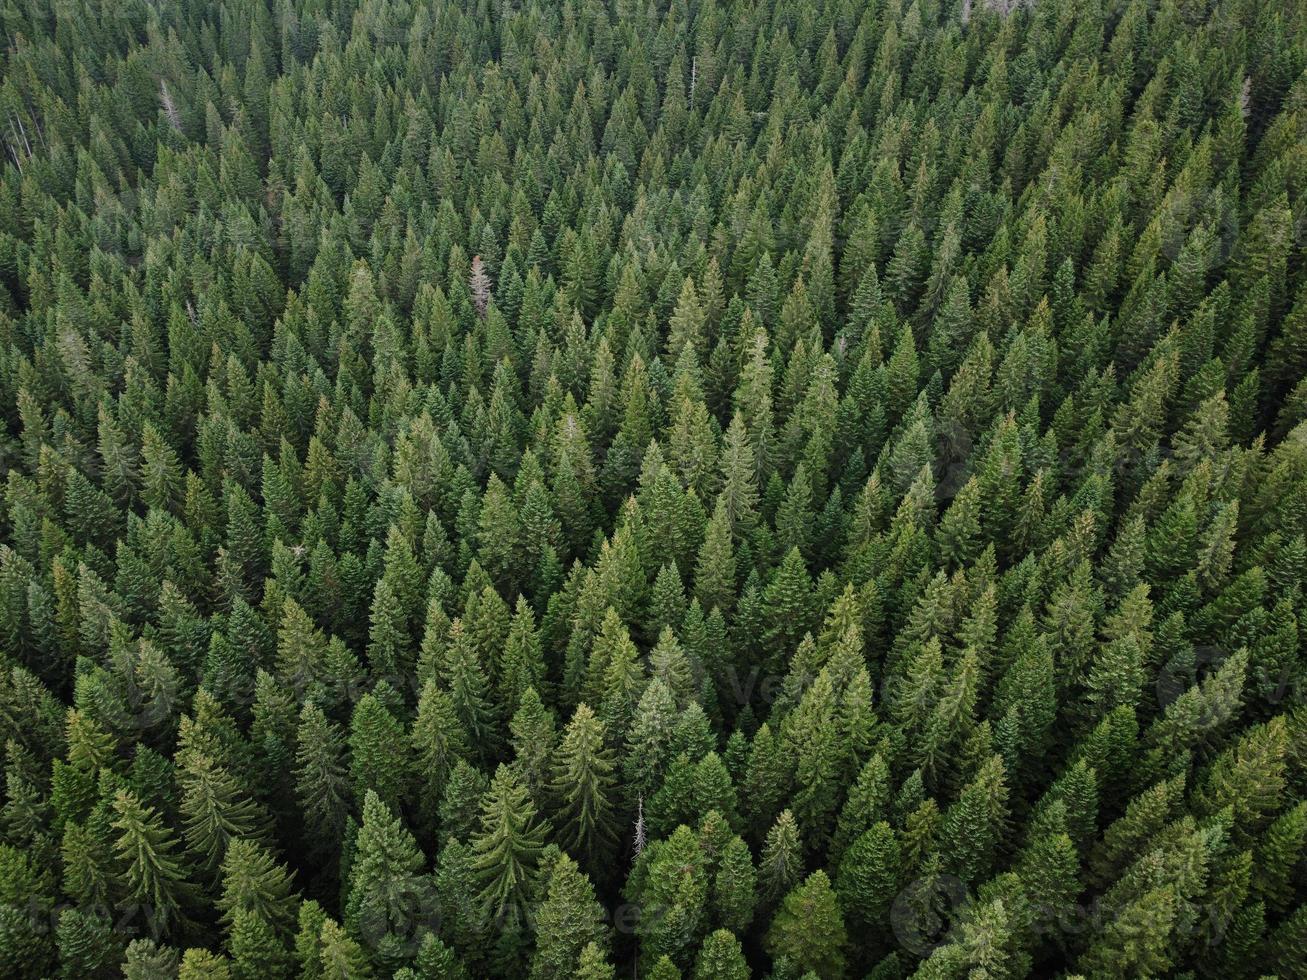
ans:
(695, 489)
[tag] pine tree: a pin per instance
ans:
(252, 881)
(215, 810)
(739, 494)
(648, 748)
(436, 961)
(808, 930)
(715, 571)
(667, 599)
(1287, 946)
(255, 949)
(534, 735)
(479, 285)
(87, 944)
(788, 602)
(146, 959)
(462, 673)
(322, 784)
(583, 781)
(375, 735)
(438, 741)
(1135, 940)
(499, 534)
(735, 886)
(457, 814)
(1279, 852)
(523, 663)
(569, 919)
(388, 633)
(200, 964)
(161, 474)
(767, 779)
(781, 863)
(301, 649)
(670, 875)
(867, 803)
(973, 825)
(810, 735)
(339, 956)
(388, 892)
(153, 876)
(506, 847)
(721, 956)
(868, 877)
(1049, 873)
(594, 965)
(794, 519)
(1248, 777)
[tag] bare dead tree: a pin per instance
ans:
(22, 132)
(639, 840)
(12, 145)
(170, 111)
(479, 283)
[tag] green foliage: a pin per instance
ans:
(826, 476)
(506, 846)
(721, 956)
(569, 920)
(152, 874)
(583, 781)
(388, 891)
(808, 930)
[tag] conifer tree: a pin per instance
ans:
(438, 742)
(844, 467)
(215, 810)
(200, 964)
(808, 930)
(255, 948)
(781, 863)
(506, 847)
(583, 782)
(153, 875)
(569, 920)
(721, 956)
(321, 778)
(339, 956)
(671, 876)
(388, 892)
(87, 945)
(374, 738)
(867, 879)
(146, 958)
(735, 886)
(253, 881)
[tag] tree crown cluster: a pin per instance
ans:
(697, 489)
